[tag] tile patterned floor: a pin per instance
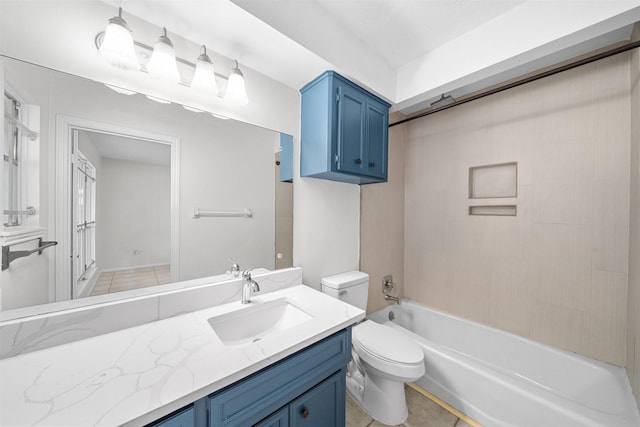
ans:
(135, 278)
(422, 412)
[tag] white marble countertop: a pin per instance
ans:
(139, 374)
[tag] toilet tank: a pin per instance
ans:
(351, 287)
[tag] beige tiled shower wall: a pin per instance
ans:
(382, 224)
(558, 271)
(633, 323)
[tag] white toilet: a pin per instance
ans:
(382, 359)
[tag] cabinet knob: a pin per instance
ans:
(358, 161)
(372, 164)
(304, 412)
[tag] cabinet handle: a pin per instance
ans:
(372, 164)
(304, 412)
(358, 161)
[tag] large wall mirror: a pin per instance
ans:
(117, 180)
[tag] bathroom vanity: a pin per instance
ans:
(305, 389)
(277, 361)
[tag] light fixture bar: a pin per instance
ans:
(100, 36)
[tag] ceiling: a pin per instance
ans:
(120, 147)
(406, 51)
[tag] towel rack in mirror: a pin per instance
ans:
(246, 213)
(8, 256)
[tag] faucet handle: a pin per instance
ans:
(246, 274)
(235, 268)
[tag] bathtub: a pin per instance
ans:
(501, 379)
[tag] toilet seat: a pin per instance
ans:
(387, 351)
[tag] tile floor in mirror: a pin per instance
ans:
(422, 412)
(134, 278)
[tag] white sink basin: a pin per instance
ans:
(256, 321)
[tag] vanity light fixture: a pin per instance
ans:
(162, 64)
(236, 90)
(117, 44)
(204, 77)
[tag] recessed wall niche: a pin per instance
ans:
(497, 181)
(493, 181)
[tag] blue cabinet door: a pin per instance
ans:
(377, 120)
(286, 158)
(351, 108)
(278, 419)
(323, 405)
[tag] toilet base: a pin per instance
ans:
(383, 399)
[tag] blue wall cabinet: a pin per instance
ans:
(344, 131)
(304, 389)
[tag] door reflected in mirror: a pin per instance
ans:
(122, 213)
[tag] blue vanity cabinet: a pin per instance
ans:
(310, 382)
(344, 131)
(305, 389)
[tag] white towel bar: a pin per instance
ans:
(246, 213)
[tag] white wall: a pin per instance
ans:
(133, 214)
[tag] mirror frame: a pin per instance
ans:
(60, 277)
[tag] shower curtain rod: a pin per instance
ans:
(584, 61)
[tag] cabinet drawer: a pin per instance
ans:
(247, 402)
(183, 418)
(323, 405)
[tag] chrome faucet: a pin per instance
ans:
(248, 286)
(387, 286)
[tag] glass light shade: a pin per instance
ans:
(117, 45)
(158, 100)
(195, 110)
(236, 90)
(162, 64)
(204, 77)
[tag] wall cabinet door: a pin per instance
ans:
(351, 109)
(377, 141)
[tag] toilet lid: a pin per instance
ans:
(384, 342)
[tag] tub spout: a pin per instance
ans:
(392, 298)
